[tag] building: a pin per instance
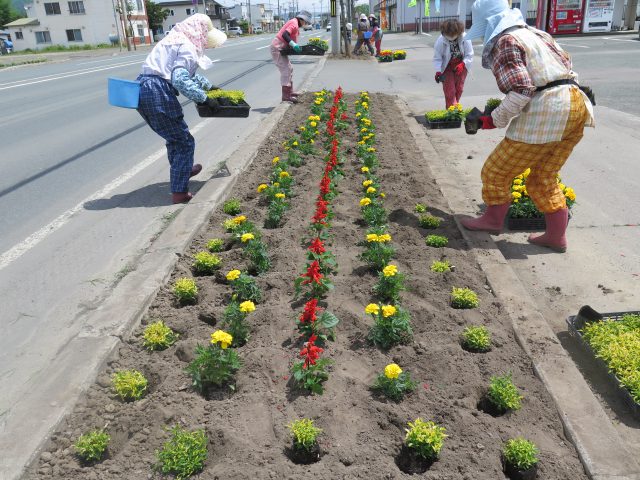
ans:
(258, 15)
(181, 9)
(77, 23)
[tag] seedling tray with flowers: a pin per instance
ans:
(450, 118)
(612, 340)
(230, 103)
(308, 49)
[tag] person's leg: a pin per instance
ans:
(459, 80)
(356, 49)
(378, 44)
(542, 184)
(449, 86)
(370, 47)
(508, 159)
(286, 72)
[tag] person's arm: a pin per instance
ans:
(437, 55)
(468, 53)
(510, 69)
(286, 35)
(203, 82)
(186, 61)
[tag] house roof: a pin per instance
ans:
(23, 22)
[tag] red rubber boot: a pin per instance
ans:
(183, 197)
(554, 236)
(286, 95)
(491, 221)
(195, 170)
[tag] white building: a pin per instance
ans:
(181, 9)
(78, 22)
(259, 15)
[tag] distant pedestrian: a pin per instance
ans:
(452, 59)
(288, 36)
(364, 35)
(349, 28)
(376, 33)
(171, 68)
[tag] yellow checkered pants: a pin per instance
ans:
(511, 158)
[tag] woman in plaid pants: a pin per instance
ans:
(545, 112)
(171, 68)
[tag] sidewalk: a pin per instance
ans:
(602, 266)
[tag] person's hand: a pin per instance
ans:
(214, 87)
(296, 48)
(487, 122)
(438, 75)
(459, 69)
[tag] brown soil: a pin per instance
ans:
(362, 434)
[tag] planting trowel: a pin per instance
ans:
(472, 121)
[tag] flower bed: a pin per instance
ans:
(249, 428)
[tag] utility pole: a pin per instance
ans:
(121, 7)
(250, 23)
(420, 16)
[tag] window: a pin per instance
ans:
(76, 8)
(140, 31)
(43, 37)
(139, 5)
(171, 14)
(19, 36)
(188, 11)
(74, 35)
(52, 8)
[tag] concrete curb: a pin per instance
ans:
(84, 357)
(601, 450)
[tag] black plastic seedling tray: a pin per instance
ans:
(447, 124)
(225, 109)
(588, 315)
(306, 50)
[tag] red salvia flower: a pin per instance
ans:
(310, 312)
(317, 246)
(321, 211)
(313, 274)
(310, 352)
(325, 185)
(344, 117)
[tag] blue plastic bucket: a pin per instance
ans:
(123, 93)
(367, 35)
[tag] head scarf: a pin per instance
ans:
(492, 17)
(193, 30)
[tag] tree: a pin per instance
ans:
(360, 9)
(156, 14)
(7, 12)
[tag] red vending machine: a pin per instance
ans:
(565, 16)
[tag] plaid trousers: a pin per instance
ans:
(511, 158)
(160, 108)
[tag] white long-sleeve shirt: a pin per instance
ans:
(442, 53)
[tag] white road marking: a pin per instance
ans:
(572, 45)
(109, 59)
(266, 46)
(35, 238)
(65, 75)
(618, 39)
(427, 34)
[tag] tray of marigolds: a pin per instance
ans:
(316, 46)
(230, 103)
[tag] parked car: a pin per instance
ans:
(257, 29)
(328, 27)
(307, 27)
(235, 31)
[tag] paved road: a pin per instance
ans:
(84, 189)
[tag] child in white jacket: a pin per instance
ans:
(452, 59)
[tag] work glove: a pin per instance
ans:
(487, 122)
(296, 48)
(214, 87)
(438, 75)
(459, 69)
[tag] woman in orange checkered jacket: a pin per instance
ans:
(544, 109)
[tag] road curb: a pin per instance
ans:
(601, 450)
(77, 366)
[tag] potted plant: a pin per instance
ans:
(520, 459)
(450, 118)
(385, 56)
(399, 54)
(422, 444)
(491, 105)
(305, 448)
(230, 103)
(523, 214)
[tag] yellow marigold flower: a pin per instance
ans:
(358, 115)
(392, 371)
(303, 129)
(364, 169)
(562, 186)
(312, 141)
(221, 337)
(371, 149)
(371, 190)
(372, 309)
(365, 201)
(372, 237)
(262, 187)
(383, 195)
(246, 237)
(361, 142)
(313, 124)
(280, 195)
(367, 183)
(517, 181)
(385, 237)
(363, 130)
(459, 107)
(239, 219)
(275, 160)
(570, 194)
(526, 173)
(247, 307)
(451, 108)
(276, 184)
(516, 194)
(283, 174)
(389, 270)
(233, 275)
(515, 200)
(388, 310)
(295, 144)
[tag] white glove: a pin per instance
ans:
(510, 107)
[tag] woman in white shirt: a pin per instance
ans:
(452, 59)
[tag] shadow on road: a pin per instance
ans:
(154, 195)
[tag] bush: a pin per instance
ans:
(185, 290)
(129, 384)
(437, 241)
(503, 394)
(215, 245)
(426, 438)
(305, 434)
(157, 336)
(206, 263)
(464, 298)
(184, 454)
(429, 221)
(91, 446)
(520, 453)
(440, 267)
(231, 206)
(476, 339)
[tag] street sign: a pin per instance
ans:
(334, 8)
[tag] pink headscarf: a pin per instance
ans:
(192, 30)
